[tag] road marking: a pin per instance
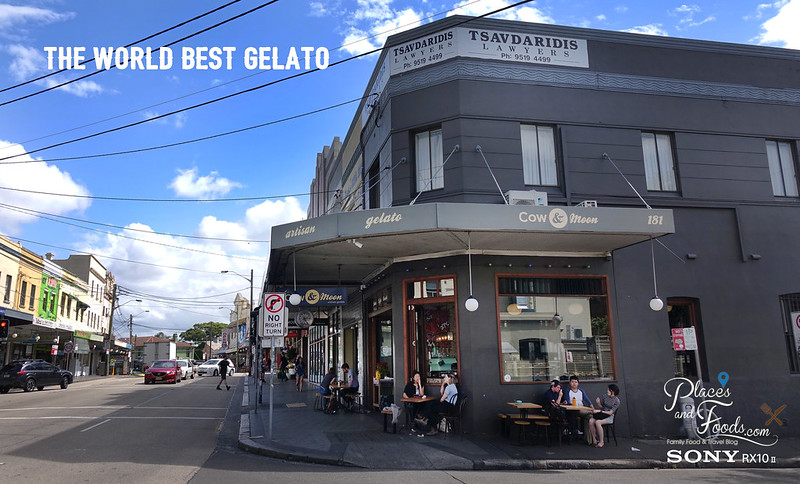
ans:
(96, 425)
(67, 417)
(108, 407)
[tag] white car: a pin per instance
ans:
(211, 367)
(187, 369)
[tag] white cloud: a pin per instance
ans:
(650, 29)
(34, 177)
(782, 30)
(687, 20)
(28, 63)
(188, 184)
(12, 17)
(601, 17)
(382, 22)
(763, 7)
(178, 120)
(204, 277)
(525, 14)
(317, 9)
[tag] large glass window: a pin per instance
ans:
(659, 165)
(538, 155)
(430, 160)
(431, 327)
(553, 328)
(782, 169)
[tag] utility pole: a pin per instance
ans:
(130, 342)
(110, 325)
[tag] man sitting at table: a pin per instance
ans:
(578, 396)
(351, 381)
(553, 398)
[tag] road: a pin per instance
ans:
(120, 430)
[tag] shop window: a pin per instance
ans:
(22, 294)
(659, 165)
(430, 160)
(32, 300)
(431, 327)
(790, 306)
(782, 168)
(684, 313)
(7, 292)
(553, 328)
(538, 155)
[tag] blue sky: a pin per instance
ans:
(276, 161)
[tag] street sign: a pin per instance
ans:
(274, 316)
(68, 347)
(678, 343)
(690, 338)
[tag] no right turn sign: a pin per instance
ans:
(273, 315)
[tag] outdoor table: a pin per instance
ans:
(524, 407)
(578, 408)
(416, 401)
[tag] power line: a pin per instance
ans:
(154, 51)
(222, 84)
(245, 91)
(130, 199)
(186, 142)
(102, 256)
(199, 237)
(125, 46)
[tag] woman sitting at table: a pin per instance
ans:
(445, 404)
(414, 388)
(608, 404)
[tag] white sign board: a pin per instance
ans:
(690, 339)
(267, 343)
(273, 315)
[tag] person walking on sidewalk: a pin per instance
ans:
(223, 373)
(300, 370)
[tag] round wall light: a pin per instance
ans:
(471, 304)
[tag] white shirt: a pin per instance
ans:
(576, 395)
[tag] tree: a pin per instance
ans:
(161, 334)
(202, 332)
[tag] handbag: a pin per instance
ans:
(600, 416)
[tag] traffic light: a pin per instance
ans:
(3, 328)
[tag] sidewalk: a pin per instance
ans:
(299, 433)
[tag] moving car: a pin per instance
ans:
(30, 374)
(211, 367)
(188, 369)
(163, 370)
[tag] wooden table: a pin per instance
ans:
(583, 425)
(524, 407)
(416, 402)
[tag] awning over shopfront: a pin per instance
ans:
(352, 247)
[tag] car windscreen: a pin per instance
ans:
(11, 367)
(212, 362)
(163, 364)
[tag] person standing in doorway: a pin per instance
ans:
(300, 373)
(223, 373)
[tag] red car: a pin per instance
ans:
(163, 370)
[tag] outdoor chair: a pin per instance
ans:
(453, 419)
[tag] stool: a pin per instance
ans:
(387, 414)
(503, 423)
(523, 426)
(541, 424)
(328, 405)
(318, 401)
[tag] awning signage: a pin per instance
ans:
(45, 323)
(323, 296)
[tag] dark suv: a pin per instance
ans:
(30, 374)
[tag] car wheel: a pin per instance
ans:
(192, 377)
(4, 389)
(40, 388)
(30, 385)
(64, 383)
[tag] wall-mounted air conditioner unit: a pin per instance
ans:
(526, 197)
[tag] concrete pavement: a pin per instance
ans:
(299, 433)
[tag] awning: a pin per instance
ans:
(350, 248)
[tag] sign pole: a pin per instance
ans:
(274, 324)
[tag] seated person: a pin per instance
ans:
(325, 387)
(445, 404)
(553, 398)
(414, 388)
(351, 381)
(578, 396)
(608, 404)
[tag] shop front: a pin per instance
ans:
(540, 294)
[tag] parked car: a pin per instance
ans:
(188, 369)
(163, 370)
(211, 367)
(30, 374)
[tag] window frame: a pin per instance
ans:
(603, 281)
(528, 165)
(436, 172)
(790, 303)
(657, 176)
(777, 166)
